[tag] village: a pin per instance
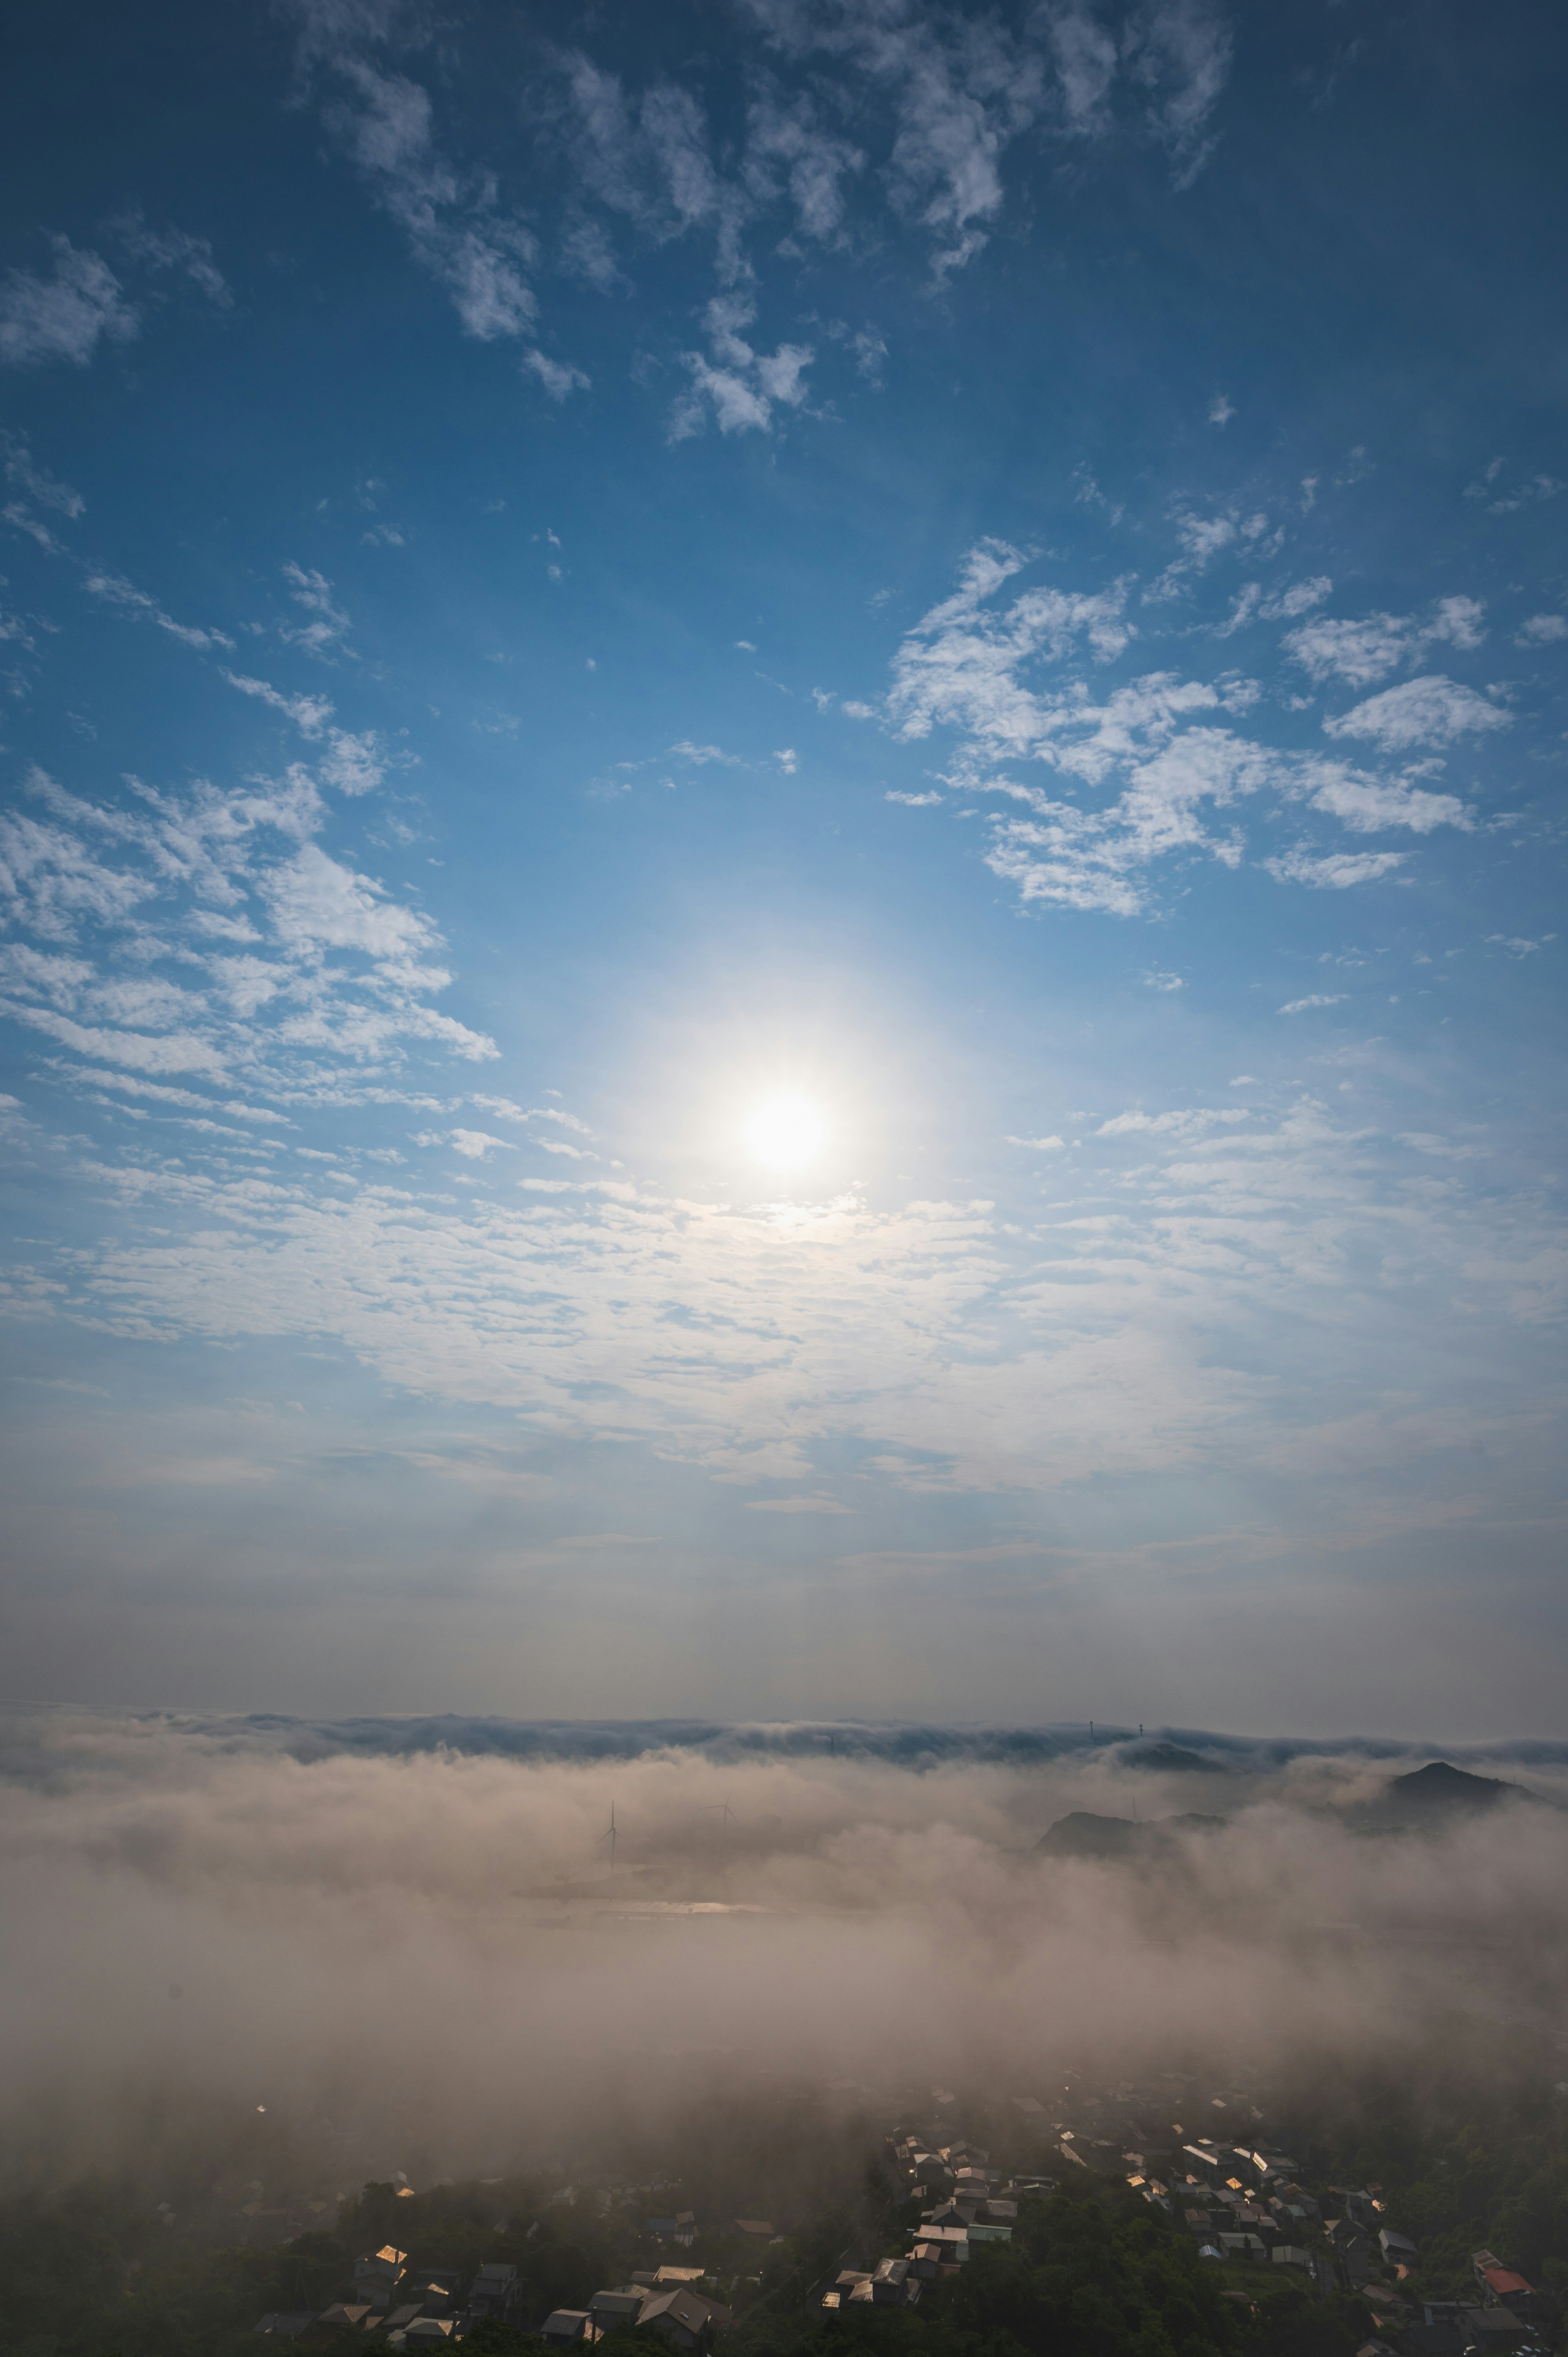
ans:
(1245, 2207)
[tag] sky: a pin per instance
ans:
(781, 861)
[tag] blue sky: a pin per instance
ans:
(782, 800)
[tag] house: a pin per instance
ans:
(286, 2324)
(684, 2319)
(345, 2316)
(1498, 2285)
(619, 2304)
(1242, 2247)
(1398, 2249)
(377, 2276)
(984, 2231)
(567, 2324)
(761, 2227)
(891, 2284)
(427, 2331)
(399, 2318)
(495, 2291)
(1291, 2254)
(1491, 2328)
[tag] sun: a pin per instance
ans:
(786, 1132)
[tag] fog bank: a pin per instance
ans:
(428, 1943)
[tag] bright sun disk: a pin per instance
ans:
(786, 1132)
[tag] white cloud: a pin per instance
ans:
(64, 317)
(355, 764)
(1052, 1145)
(22, 470)
(1543, 630)
(1250, 605)
(1366, 806)
(1362, 651)
(787, 146)
(179, 1052)
(454, 223)
(959, 663)
(175, 249)
(327, 622)
(302, 954)
(914, 802)
(558, 377)
(1163, 982)
(125, 594)
(1517, 945)
(1170, 1125)
(1220, 410)
(700, 756)
(1432, 710)
(1334, 872)
(742, 385)
(309, 713)
(1317, 998)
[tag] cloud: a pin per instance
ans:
(64, 317)
(1220, 410)
(700, 756)
(299, 955)
(1362, 652)
(1333, 872)
(798, 1505)
(309, 713)
(455, 225)
(125, 595)
(355, 764)
(914, 802)
(1316, 998)
(1366, 806)
(1037, 1145)
(1543, 630)
(321, 1884)
(558, 377)
(1432, 710)
(477, 1145)
(175, 249)
(959, 663)
(326, 629)
(21, 469)
(741, 386)
(1170, 1125)
(787, 146)
(1250, 605)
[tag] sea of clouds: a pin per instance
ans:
(421, 1915)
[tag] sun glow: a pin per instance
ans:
(786, 1133)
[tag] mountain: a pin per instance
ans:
(1082, 1835)
(1439, 1790)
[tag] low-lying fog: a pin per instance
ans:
(243, 1914)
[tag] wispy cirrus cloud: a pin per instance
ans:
(66, 316)
(455, 227)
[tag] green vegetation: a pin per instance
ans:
(1092, 2271)
(1489, 2173)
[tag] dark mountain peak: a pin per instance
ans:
(1440, 1785)
(1083, 1834)
(1170, 1758)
